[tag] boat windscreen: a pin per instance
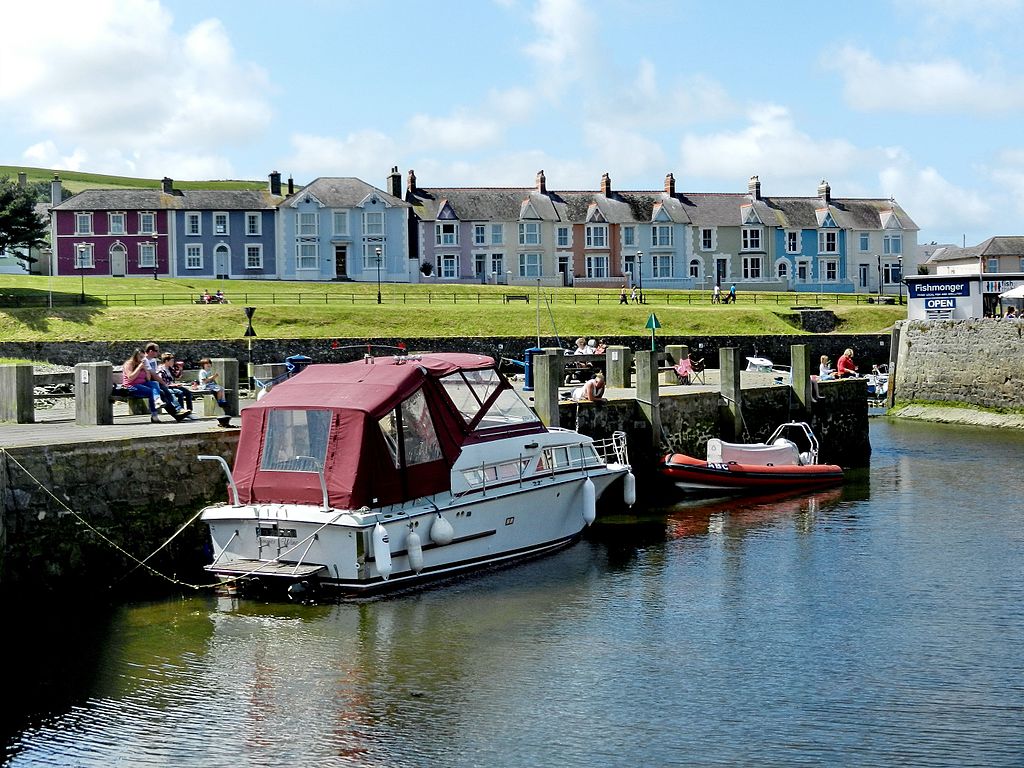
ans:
(469, 390)
(508, 409)
(296, 440)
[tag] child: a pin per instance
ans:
(208, 381)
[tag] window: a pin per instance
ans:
(751, 238)
(254, 257)
(661, 235)
(340, 219)
(116, 223)
(446, 233)
(529, 233)
(831, 270)
(448, 265)
(892, 245)
(253, 223)
(479, 234)
(991, 265)
(296, 441)
(751, 267)
(307, 224)
(695, 268)
(782, 270)
(865, 241)
(147, 223)
(370, 255)
(147, 255)
(792, 242)
(307, 256)
(828, 242)
(409, 432)
(862, 275)
(1021, 268)
(529, 265)
(597, 265)
(563, 237)
(497, 234)
(628, 237)
(597, 235)
(194, 256)
(83, 223)
(891, 272)
(220, 223)
(498, 263)
(84, 256)
(193, 224)
(662, 264)
(373, 223)
(706, 239)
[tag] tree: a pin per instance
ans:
(20, 227)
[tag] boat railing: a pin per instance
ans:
(613, 450)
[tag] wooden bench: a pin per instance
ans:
(517, 297)
(140, 405)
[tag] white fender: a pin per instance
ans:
(441, 532)
(629, 489)
(414, 548)
(382, 551)
(589, 501)
(262, 391)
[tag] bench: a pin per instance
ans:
(140, 405)
(517, 297)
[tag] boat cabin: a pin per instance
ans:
(379, 431)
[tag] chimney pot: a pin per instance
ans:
(56, 192)
(395, 182)
(670, 184)
(167, 186)
(606, 185)
(275, 183)
(542, 183)
(754, 187)
(825, 191)
(410, 185)
(291, 185)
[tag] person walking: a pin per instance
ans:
(622, 295)
(732, 293)
(716, 294)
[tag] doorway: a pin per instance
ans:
(221, 258)
(118, 261)
(340, 262)
(721, 270)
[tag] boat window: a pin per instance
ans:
(495, 473)
(507, 410)
(469, 390)
(296, 441)
(418, 435)
(389, 428)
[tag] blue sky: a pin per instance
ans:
(921, 100)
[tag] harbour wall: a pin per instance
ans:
(975, 362)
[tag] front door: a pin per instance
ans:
(340, 261)
(118, 261)
(221, 259)
(721, 270)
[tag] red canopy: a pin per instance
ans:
(335, 418)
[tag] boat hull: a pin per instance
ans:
(695, 475)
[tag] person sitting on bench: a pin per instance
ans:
(208, 381)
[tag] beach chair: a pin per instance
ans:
(689, 371)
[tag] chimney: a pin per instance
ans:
(275, 183)
(395, 183)
(291, 185)
(825, 192)
(167, 186)
(542, 183)
(754, 187)
(670, 185)
(606, 185)
(56, 193)
(22, 179)
(410, 185)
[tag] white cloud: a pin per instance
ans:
(645, 103)
(113, 79)
(566, 31)
(770, 146)
(364, 154)
(459, 132)
(618, 149)
(933, 202)
(940, 85)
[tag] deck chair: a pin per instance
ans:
(688, 371)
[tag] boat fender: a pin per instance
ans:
(805, 458)
(382, 551)
(262, 391)
(589, 501)
(414, 549)
(441, 532)
(629, 489)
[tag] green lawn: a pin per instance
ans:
(145, 308)
(76, 182)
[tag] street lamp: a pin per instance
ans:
(899, 259)
(80, 263)
(47, 254)
(378, 275)
(640, 275)
(879, 278)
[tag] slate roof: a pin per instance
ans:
(120, 200)
(229, 199)
(342, 192)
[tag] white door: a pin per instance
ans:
(221, 258)
(118, 261)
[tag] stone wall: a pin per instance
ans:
(978, 362)
(135, 492)
(870, 348)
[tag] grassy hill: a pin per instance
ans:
(77, 181)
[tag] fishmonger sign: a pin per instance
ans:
(938, 288)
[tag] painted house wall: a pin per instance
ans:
(236, 241)
(102, 242)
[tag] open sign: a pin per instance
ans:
(937, 303)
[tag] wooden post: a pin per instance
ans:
(800, 369)
(227, 367)
(618, 363)
(93, 384)
(16, 402)
(647, 392)
(729, 364)
(547, 378)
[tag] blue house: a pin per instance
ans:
(346, 229)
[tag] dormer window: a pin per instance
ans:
(446, 233)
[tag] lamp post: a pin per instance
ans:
(80, 263)
(640, 274)
(899, 259)
(538, 313)
(378, 275)
(879, 277)
(47, 253)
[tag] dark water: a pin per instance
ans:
(879, 624)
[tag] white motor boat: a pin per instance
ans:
(389, 471)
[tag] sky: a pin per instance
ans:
(918, 100)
